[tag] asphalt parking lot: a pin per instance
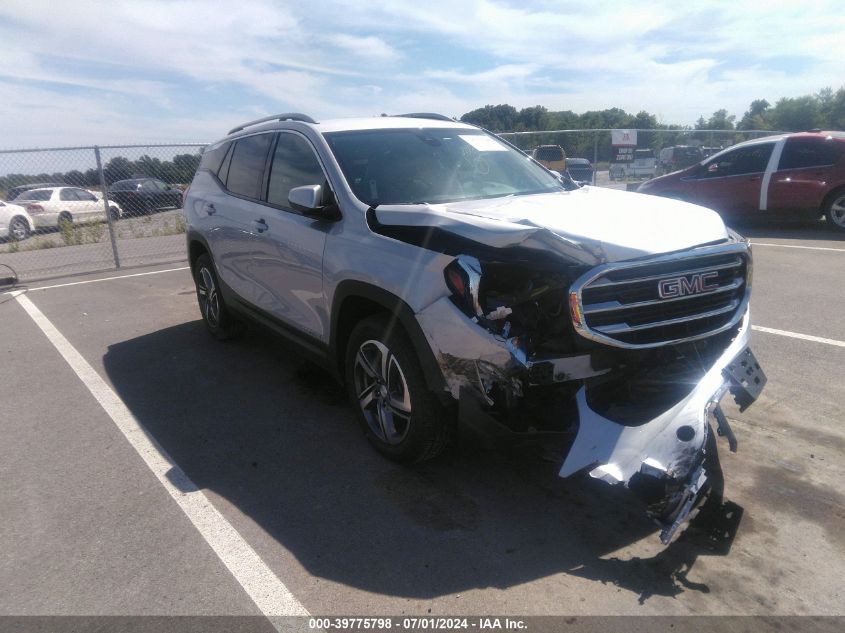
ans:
(148, 469)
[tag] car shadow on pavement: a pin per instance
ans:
(273, 436)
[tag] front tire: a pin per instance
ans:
(401, 418)
(212, 308)
(835, 211)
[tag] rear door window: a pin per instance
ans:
(84, 196)
(67, 195)
(246, 171)
(213, 157)
(810, 152)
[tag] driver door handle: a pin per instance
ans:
(260, 225)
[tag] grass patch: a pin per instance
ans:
(40, 244)
(74, 234)
(177, 227)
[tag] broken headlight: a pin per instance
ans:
(515, 300)
(463, 278)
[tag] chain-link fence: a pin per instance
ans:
(644, 153)
(597, 144)
(84, 209)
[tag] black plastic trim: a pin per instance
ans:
(395, 307)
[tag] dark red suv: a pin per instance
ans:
(787, 176)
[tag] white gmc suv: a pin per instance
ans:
(447, 278)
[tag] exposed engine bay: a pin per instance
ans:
(636, 414)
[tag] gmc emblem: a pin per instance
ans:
(686, 285)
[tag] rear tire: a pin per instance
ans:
(835, 211)
(400, 416)
(65, 218)
(18, 229)
(214, 313)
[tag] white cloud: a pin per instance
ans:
(194, 67)
(372, 48)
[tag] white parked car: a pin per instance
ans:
(15, 222)
(644, 165)
(49, 207)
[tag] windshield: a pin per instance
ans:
(413, 166)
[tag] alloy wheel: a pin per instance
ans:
(837, 211)
(208, 297)
(18, 229)
(382, 392)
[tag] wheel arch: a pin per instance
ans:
(828, 199)
(356, 300)
(196, 246)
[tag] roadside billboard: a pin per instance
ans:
(623, 142)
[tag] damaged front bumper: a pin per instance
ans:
(672, 446)
(664, 458)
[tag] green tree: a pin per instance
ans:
(75, 177)
(118, 168)
(533, 118)
(499, 118)
(796, 114)
(833, 111)
(757, 116)
(721, 120)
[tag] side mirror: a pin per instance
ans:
(308, 199)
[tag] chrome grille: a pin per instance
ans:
(620, 304)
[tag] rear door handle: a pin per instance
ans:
(209, 209)
(260, 225)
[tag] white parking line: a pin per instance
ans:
(803, 337)
(268, 592)
(809, 248)
(93, 281)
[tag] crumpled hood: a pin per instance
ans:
(611, 225)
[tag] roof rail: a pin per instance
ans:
(286, 116)
(426, 115)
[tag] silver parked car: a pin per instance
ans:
(446, 278)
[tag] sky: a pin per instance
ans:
(80, 72)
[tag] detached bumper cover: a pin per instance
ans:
(672, 446)
(617, 452)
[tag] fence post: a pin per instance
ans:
(109, 219)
